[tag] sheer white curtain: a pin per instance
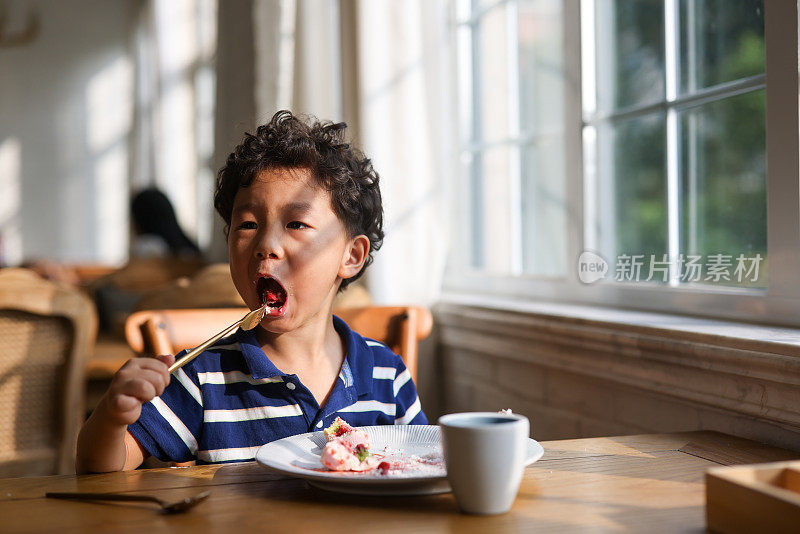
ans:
(173, 141)
(382, 66)
(298, 58)
(402, 78)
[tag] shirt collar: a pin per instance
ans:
(359, 361)
(257, 361)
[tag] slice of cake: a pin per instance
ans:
(347, 448)
(337, 456)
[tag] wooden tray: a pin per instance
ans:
(754, 498)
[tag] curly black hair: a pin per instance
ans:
(288, 141)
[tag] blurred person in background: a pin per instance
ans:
(160, 252)
(156, 229)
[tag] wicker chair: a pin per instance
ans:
(47, 331)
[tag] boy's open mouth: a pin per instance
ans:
(271, 292)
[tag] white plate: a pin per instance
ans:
(298, 456)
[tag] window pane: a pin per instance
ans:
(541, 108)
(632, 212)
(491, 211)
(724, 201)
(641, 193)
(630, 53)
(497, 220)
(484, 4)
(721, 41)
(466, 85)
(491, 62)
(463, 9)
(541, 66)
(544, 207)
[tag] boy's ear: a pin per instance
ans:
(354, 257)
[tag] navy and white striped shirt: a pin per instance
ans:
(231, 399)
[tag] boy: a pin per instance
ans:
(303, 216)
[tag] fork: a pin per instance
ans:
(166, 507)
(248, 322)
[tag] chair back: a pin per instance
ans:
(400, 328)
(170, 331)
(47, 331)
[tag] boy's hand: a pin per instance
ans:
(137, 382)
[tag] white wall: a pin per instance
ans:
(65, 119)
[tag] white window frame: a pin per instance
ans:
(778, 304)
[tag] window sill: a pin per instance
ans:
(620, 370)
(772, 339)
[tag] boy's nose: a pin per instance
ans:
(269, 247)
(266, 255)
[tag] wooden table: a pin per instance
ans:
(648, 483)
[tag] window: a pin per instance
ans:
(636, 131)
(512, 102)
(675, 139)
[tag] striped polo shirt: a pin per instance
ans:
(230, 400)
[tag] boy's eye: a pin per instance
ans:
(247, 225)
(296, 225)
